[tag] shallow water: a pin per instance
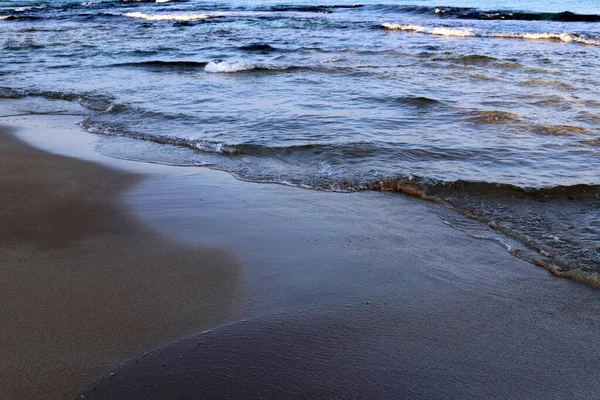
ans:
(490, 107)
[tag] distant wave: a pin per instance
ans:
(163, 64)
(168, 17)
(148, 1)
(459, 32)
(473, 13)
(325, 9)
(228, 66)
(19, 17)
(224, 66)
(417, 101)
(219, 66)
(403, 27)
(258, 48)
(464, 32)
(478, 14)
(563, 37)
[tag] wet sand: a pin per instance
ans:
(364, 295)
(83, 285)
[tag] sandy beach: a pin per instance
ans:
(84, 285)
(243, 290)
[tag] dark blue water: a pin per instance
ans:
(491, 107)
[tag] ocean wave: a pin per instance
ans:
(261, 48)
(566, 246)
(19, 17)
(440, 31)
(505, 208)
(566, 37)
(26, 9)
(416, 101)
(477, 59)
(458, 32)
(207, 146)
(168, 17)
(473, 13)
(240, 66)
(479, 14)
(163, 64)
(19, 45)
(403, 27)
(93, 102)
(228, 66)
(149, 1)
(562, 37)
(324, 9)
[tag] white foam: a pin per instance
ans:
(400, 27)
(330, 60)
(227, 66)
(4, 17)
(25, 9)
(452, 32)
(167, 17)
(163, 1)
(563, 37)
(465, 32)
(458, 32)
(211, 147)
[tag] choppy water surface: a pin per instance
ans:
(491, 107)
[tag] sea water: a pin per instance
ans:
(489, 107)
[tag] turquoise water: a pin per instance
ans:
(489, 107)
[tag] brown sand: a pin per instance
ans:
(83, 285)
(364, 295)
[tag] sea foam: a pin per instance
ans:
(453, 32)
(457, 32)
(401, 27)
(563, 37)
(566, 37)
(228, 66)
(167, 17)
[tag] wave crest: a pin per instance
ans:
(566, 37)
(228, 66)
(220, 66)
(168, 17)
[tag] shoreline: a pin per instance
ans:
(375, 271)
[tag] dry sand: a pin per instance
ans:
(83, 285)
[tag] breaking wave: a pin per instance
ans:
(458, 32)
(163, 64)
(473, 13)
(225, 67)
(566, 37)
(324, 9)
(478, 14)
(562, 37)
(168, 17)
